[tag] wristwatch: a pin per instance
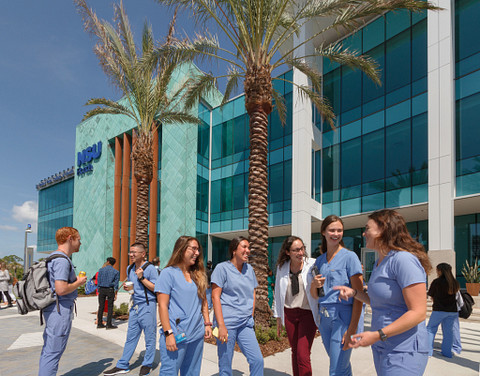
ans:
(383, 336)
(141, 279)
(168, 332)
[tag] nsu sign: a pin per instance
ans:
(85, 158)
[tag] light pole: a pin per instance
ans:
(27, 230)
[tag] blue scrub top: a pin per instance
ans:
(61, 269)
(149, 273)
(237, 292)
(184, 305)
(337, 272)
(398, 270)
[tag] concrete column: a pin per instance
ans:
(302, 138)
(441, 134)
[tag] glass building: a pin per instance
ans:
(409, 144)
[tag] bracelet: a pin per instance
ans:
(141, 279)
(356, 292)
(207, 323)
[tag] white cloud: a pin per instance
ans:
(8, 228)
(25, 213)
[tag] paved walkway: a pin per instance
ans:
(90, 351)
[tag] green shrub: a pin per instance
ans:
(122, 310)
(272, 334)
(81, 290)
(262, 336)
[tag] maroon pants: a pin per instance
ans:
(301, 330)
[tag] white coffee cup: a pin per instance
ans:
(129, 284)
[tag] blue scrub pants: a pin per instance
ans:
(447, 320)
(209, 298)
(395, 363)
(142, 317)
(457, 342)
(247, 341)
(334, 322)
(187, 359)
(55, 336)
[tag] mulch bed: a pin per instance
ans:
(267, 349)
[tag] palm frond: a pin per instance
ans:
(198, 87)
(313, 74)
(106, 111)
(232, 84)
(280, 106)
(321, 103)
(177, 117)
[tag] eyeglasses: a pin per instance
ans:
(133, 253)
(301, 249)
(194, 249)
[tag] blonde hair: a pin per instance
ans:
(197, 270)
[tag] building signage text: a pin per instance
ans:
(85, 158)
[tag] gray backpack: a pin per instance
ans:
(34, 291)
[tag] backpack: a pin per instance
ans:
(144, 267)
(467, 307)
(34, 292)
(90, 286)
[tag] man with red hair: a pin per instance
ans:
(58, 317)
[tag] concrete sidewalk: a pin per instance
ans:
(467, 363)
(90, 351)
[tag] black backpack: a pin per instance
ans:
(467, 307)
(144, 267)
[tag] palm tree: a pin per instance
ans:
(145, 84)
(261, 33)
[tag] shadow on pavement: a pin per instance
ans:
(92, 368)
(458, 360)
(266, 372)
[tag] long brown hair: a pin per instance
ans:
(287, 243)
(394, 235)
(327, 222)
(197, 270)
(234, 243)
(446, 270)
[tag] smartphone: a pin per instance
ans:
(315, 272)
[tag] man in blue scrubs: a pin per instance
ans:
(143, 314)
(58, 319)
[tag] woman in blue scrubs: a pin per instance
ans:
(183, 309)
(443, 291)
(338, 319)
(233, 297)
(397, 294)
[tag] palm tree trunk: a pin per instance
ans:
(142, 155)
(258, 88)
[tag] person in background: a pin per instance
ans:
(58, 318)
(338, 319)
(107, 286)
(209, 271)
(397, 293)
(233, 296)
(105, 307)
(4, 280)
(182, 304)
(156, 263)
(142, 315)
(444, 311)
(294, 307)
(271, 286)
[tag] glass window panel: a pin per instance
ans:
(468, 131)
(420, 142)
(331, 168)
(373, 161)
(287, 179)
(397, 22)
(276, 182)
(217, 142)
(373, 202)
(397, 70)
(398, 149)
(373, 122)
(351, 89)
(239, 134)
(371, 90)
(419, 50)
(374, 34)
(331, 89)
(351, 163)
(467, 28)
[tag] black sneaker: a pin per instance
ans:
(144, 371)
(115, 371)
(101, 326)
(112, 327)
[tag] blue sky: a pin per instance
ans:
(47, 73)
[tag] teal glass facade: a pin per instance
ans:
(229, 170)
(467, 95)
(467, 241)
(377, 155)
(55, 210)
